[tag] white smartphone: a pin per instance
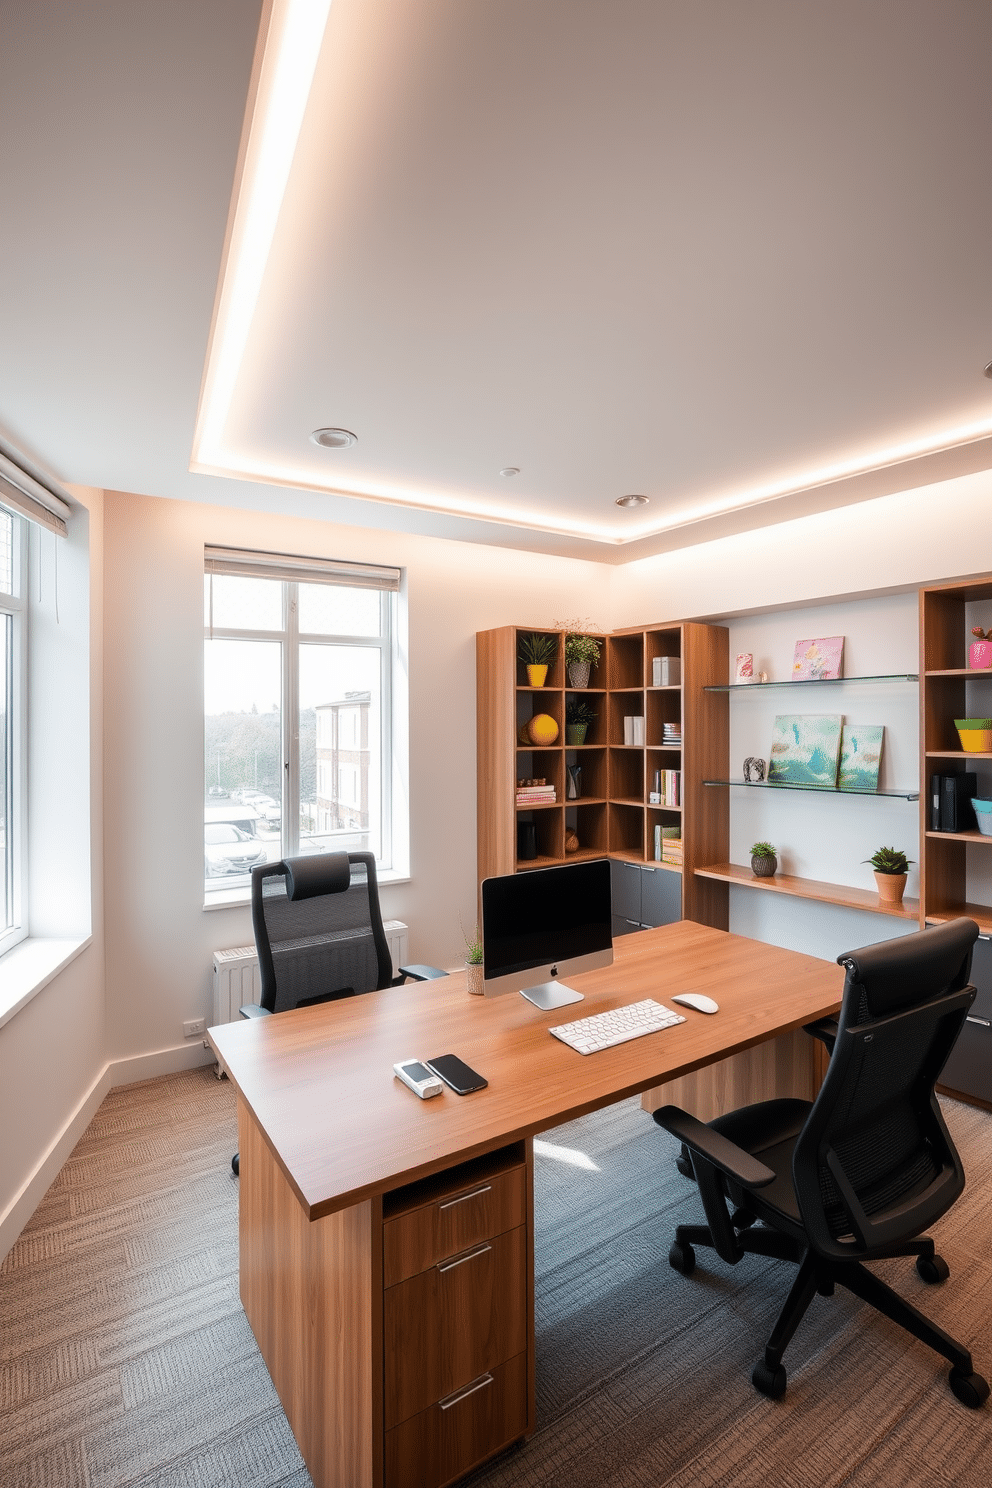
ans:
(421, 1080)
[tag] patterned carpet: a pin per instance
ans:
(125, 1358)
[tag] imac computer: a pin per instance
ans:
(545, 923)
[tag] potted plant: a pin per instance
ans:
(578, 716)
(890, 867)
(980, 650)
(764, 863)
(537, 652)
(473, 963)
(581, 653)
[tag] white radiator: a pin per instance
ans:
(237, 979)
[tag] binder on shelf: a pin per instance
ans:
(956, 811)
(671, 671)
(936, 786)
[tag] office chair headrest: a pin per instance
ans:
(319, 873)
(898, 973)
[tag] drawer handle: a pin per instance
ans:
(469, 1255)
(479, 1384)
(462, 1198)
(982, 1022)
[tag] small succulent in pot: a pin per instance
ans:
(473, 947)
(763, 860)
(889, 860)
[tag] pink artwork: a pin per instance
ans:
(818, 660)
(745, 667)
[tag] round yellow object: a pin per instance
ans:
(542, 729)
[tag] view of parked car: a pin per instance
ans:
(227, 849)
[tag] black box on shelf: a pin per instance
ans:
(956, 811)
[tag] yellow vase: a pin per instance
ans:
(542, 729)
(536, 675)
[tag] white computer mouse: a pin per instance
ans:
(697, 1000)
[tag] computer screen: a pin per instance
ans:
(546, 923)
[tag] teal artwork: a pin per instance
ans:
(860, 756)
(805, 749)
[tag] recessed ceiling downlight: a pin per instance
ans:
(628, 501)
(509, 470)
(333, 438)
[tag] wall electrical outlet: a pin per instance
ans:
(193, 1026)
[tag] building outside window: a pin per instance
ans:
(299, 712)
(13, 709)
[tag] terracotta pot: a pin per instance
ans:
(475, 978)
(763, 867)
(980, 655)
(537, 675)
(890, 887)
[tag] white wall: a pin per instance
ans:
(52, 1051)
(159, 938)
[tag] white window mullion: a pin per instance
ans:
(291, 724)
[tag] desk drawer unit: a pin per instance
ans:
(456, 1304)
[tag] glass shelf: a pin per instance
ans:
(813, 682)
(822, 790)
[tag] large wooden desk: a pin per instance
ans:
(355, 1195)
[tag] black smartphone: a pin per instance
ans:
(456, 1073)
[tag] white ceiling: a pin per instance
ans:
(710, 252)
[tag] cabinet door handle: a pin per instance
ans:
(982, 1022)
(469, 1255)
(463, 1198)
(479, 1384)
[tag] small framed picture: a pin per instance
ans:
(744, 671)
(818, 660)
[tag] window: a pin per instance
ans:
(13, 710)
(299, 712)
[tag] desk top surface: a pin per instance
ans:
(320, 1081)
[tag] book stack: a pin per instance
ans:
(666, 671)
(671, 733)
(536, 795)
(671, 846)
(633, 730)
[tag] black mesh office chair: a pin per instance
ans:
(318, 933)
(860, 1173)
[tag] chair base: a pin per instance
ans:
(818, 1275)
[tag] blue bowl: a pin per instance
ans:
(983, 815)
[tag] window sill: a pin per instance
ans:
(241, 897)
(31, 965)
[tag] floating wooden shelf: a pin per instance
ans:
(978, 912)
(811, 888)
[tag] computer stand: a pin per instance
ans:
(548, 995)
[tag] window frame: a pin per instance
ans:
(15, 605)
(292, 572)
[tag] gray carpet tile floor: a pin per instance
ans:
(125, 1357)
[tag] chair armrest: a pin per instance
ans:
(252, 1010)
(422, 973)
(825, 1030)
(716, 1149)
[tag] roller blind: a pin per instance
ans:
(296, 569)
(26, 497)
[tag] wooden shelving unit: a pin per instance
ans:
(614, 816)
(950, 689)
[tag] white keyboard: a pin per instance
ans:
(604, 1030)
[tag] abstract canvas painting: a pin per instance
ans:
(805, 749)
(860, 756)
(818, 660)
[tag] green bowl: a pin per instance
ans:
(973, 723)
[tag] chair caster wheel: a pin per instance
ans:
(684, 1164)
(932, 1269)
(770, 1382)
(971, 1389)
(682, 1258)
(236, 1164)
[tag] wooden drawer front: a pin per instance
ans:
(412, 1242)
(439, 1444)
(454, 1322)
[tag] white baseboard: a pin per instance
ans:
(119, 1072)
(33, 1190)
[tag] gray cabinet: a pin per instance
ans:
(969, 1065)
(644, 896)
